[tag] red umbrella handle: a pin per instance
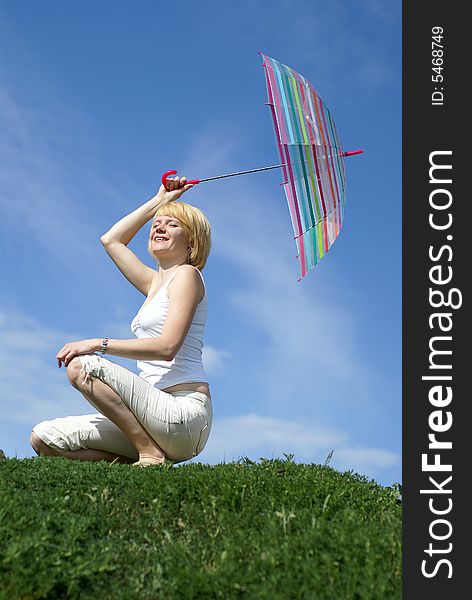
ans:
(172, 172)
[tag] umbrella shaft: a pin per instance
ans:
(261, 169)
(242, 172)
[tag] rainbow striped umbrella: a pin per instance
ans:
(312, 161)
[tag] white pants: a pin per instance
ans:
(180, 422)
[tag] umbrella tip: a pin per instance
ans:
(352, 152)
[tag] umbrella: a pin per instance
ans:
(312, 161)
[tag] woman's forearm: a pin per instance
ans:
(139, 349)
(126, 228)
(142, 349)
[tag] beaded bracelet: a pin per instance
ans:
(104, 345)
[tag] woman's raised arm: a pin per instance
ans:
(116, 240)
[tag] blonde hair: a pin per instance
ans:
(195, 225)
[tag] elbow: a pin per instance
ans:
(168, 355)
(168, 351)
(107, 241)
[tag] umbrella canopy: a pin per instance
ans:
(312, 161)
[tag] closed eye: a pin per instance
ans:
(170, 224)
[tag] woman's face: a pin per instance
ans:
(168, 238)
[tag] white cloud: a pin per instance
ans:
(249, 434)
(214, 360)
(257, 436)
(365, 459)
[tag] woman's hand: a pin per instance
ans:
(173, 189)
(73, 349)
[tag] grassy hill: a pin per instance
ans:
(271, 530)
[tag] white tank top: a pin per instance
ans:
(187, 365)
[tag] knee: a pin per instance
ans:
(73, 371)
(39, 446)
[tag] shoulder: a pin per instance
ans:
(187, 269)
(188, 273)
(188, 280)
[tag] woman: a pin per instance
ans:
(166, 411)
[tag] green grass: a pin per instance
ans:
(271, 530)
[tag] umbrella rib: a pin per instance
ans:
(317, 222)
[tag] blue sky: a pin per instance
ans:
(97, 99)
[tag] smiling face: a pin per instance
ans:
(194, 224)
(168, 239)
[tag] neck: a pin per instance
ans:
(166, 266)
